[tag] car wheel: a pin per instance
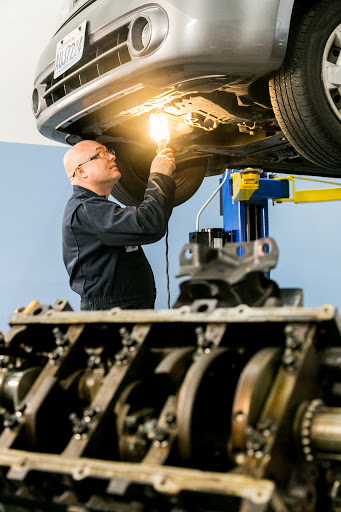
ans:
(121, 194)
(306, 91)
(131, 187)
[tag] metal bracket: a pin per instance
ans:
(230, 263)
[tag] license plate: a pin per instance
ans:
(69, 50)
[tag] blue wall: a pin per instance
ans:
(34, 190)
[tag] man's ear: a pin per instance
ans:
(81, 173)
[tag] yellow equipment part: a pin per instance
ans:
(31, 306)
(311, 195)
(244, 184)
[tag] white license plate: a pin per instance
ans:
(69, 50)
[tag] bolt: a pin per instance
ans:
(158, 434)
(79, 426)
(122, 357)
(144, 430)
(20, 409)
(288, 329)
(202, 340)
(127, 339)
(10, 420)
(91, 411)
(239, 417)
(292, 341)
(130, 425)
(60, 338)
(55, 355)
(265, 426)
(289, 360)
(170, 418)
(255, 440)
(94, 362)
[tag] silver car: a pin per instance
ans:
(242, 83)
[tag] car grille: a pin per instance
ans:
(108, 53)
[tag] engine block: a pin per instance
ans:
(223, 409)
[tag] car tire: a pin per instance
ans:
(306, 104)
(188, 178)
(121, 194)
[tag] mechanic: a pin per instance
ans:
(101, 241)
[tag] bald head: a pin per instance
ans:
(89, 164)
(77, 154)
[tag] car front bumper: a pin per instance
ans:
(197, 46)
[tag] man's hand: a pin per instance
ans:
(164, 162)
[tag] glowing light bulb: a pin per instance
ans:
(159, 130)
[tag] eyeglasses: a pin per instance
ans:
(100, 154)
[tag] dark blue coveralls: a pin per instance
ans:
(102, 245)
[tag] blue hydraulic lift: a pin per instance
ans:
(245, 195)
(245, 198)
